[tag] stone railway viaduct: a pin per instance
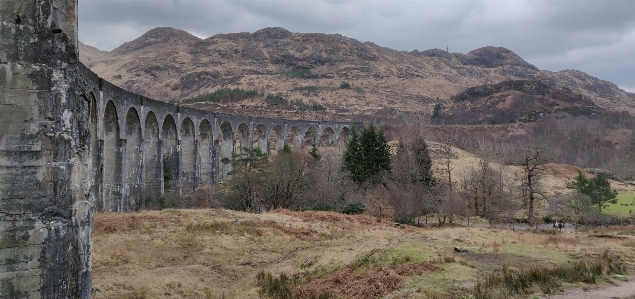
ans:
(137, 142)
(72, 143)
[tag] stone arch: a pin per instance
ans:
(205, 153)
(294, 137)
(226, 148)
(343, 135)
(276, 139)
(95, 151)
(188, 155)
(328, 137)
(132, 162)
(242, 138)
(111, 169)
(153, 175)
(170, 153)
(309, 134)
(260, 137)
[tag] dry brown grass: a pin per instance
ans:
(203, 254)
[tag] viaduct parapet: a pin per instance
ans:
(72, 143)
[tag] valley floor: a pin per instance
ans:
(216, 253)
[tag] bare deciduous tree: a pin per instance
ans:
(532, 160)
(286, 181)
(328, 184)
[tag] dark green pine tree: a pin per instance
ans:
(286, 149)
(423, 162)
(352, 156)
(314, 152)
(367, 156)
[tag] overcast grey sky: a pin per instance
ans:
(594, 36)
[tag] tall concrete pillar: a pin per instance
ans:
(45, 154)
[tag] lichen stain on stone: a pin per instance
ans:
(66, 117)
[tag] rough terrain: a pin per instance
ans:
(212, 253)
(171, 64)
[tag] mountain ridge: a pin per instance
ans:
(169, 64)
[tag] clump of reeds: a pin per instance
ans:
(510, 282)
(282, 287)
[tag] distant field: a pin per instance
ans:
(624, 205)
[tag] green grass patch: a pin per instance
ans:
(452, 279)
(543, 255)
(625, 205)
(377, 258)
(321, 271)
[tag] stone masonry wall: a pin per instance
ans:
(45, 206)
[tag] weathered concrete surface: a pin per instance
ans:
(45, 206)
(72, 143)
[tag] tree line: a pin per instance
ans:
(397, 180)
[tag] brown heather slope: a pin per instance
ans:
(169, 64)
(88, 54)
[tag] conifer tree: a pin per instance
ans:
(598, 188)
(313, 152)
(423, 162)
(367, 155)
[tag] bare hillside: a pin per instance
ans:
(170, 64)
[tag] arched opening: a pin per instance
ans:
(242, 138)
(95, 152)
(112, 160)
(188, 155)
(205, 153)
(328, 137)
(260, 137)
(342, 137)
(226, 145)
(276, 139)
(132, 165)
(153, 176)
(294, 137)
(310, 135)
(170, 153)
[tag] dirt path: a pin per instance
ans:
(619, 289)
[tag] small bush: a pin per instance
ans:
(281, 287)
(547, 219)
(354, 208)
(275, 99)
(301, 73)
(404, 219)
(322, 207)
(368, 259)
(313, 107)
(345, 85)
